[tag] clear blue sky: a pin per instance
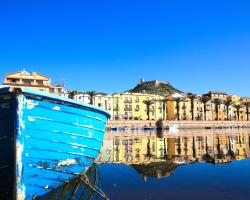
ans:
(109, 45)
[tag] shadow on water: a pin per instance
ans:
(85, 187)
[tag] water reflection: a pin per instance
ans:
(156, 155)
(85, 187)
(189, 164)
(161, 152)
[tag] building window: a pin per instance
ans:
(39, 82)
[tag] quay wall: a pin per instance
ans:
(182, 124)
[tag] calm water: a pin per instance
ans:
(198, 164)
(191, 164)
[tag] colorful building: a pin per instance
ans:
(246, 107)
(101, 100)
(33, 80)
(222, 114)
(131, 106)
(236, 100)
(180, 105)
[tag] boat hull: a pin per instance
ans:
(49, 140)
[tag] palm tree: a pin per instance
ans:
(177, 101)
(92, 94)
(247, 105)
(238, 107)
(217, 102)
(228, 103)
(204, 99)
(148, 103)
(72, 94)
(192, 98)
(184, 107)
(164, 102)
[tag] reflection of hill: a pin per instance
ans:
(155, 169)
(208, 158)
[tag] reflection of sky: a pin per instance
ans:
(194, 181)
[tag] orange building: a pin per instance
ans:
(32, 80)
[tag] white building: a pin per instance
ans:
(103, 101)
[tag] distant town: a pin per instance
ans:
(149, 100)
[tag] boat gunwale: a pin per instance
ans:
(28, 92)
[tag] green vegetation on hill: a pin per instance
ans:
(155, 87)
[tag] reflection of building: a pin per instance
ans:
(33, 80)
(107, 155)
(242, 145)
(217, 147)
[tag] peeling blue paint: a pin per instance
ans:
(54, 139)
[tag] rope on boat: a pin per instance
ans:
(95, 188)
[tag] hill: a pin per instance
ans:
(154, 87)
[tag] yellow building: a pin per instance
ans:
(236, 100)
(131, 106)
(32, 80)
(222, 115)
(246, 109)
(183, 108)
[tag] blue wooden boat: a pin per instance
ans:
(45, 140)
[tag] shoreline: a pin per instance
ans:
(169, 124)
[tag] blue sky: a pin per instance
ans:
(109, 45)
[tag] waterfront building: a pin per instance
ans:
(131, 106)
(222, 113)
(33, 80)
(101, 100)
(245, 101)
(236, 100)
(177, 107)
(181, 105)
